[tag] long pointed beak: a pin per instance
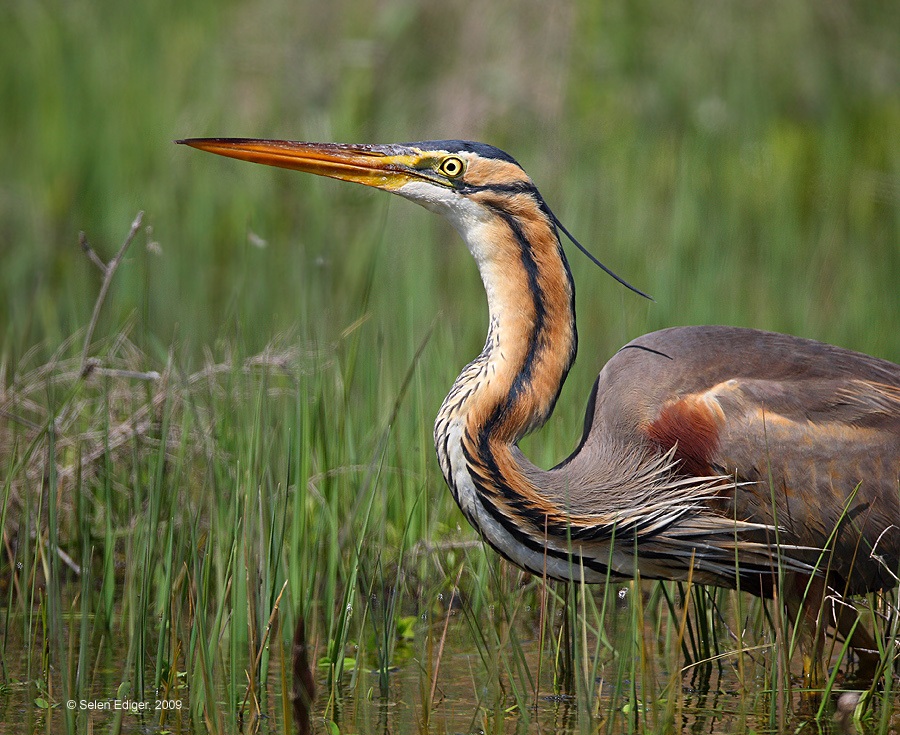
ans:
(382, 166)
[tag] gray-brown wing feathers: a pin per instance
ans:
(807, 433)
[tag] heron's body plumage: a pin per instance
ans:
(713, 453)
(697, 428)
(803, 427)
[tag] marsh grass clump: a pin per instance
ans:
(167, 531)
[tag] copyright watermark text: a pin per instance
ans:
(133, 706)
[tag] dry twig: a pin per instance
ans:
(109, 270)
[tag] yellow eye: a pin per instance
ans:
(452, 167)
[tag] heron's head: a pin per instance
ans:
(481, 190)
(462, 180)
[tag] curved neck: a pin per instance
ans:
(512, 386)
(560, 522)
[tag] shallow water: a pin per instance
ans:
(509, 688)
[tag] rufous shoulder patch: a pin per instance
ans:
(690, 425)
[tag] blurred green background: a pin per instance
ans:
(739, 161)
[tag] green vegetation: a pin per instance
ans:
(249, 440)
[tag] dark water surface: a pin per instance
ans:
(479, 690)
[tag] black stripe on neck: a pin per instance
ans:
(537, 338)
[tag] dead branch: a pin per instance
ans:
(109, 270)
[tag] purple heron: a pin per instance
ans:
(714, 453)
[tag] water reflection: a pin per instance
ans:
(460, 671)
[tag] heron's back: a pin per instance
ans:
(812, 430)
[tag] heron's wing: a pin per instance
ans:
(810, 432)
(814, 456)
(807, 435)
(839, 401)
